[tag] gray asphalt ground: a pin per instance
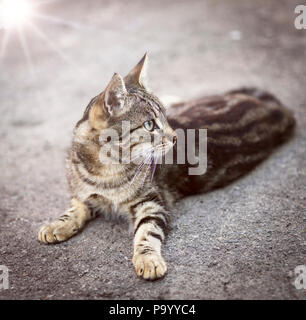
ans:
(240, 242)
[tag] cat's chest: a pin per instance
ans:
(112, 200)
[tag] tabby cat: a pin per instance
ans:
(243, 126)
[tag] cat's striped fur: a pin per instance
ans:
(243, 127)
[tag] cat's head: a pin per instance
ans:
(126, 107)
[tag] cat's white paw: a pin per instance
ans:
(58, 231)
(149, 266)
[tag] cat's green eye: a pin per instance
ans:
(149, 125)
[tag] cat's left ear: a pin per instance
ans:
(138, 75)
(109, 103)
(114, 95)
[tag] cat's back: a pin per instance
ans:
(243, 126)
(235, 110)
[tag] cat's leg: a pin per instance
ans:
(150, 229)
(67, 225)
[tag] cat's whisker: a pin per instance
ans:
(154, 167)
(141, 153)
(139, 169)
(137, 172)
(148, 167)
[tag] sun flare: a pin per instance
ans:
(14, 13)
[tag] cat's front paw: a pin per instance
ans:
(57, 231)
(149, 266)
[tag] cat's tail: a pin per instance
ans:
(279, 112)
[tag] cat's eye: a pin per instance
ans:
(149, 125)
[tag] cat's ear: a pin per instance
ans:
(110, 102)
(137, 75)
(115, 94)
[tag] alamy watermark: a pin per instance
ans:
(300, 20)
(124, 147)
(4, 277)
(300, 277)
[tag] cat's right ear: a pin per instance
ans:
(110, 102)
(138, 75)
